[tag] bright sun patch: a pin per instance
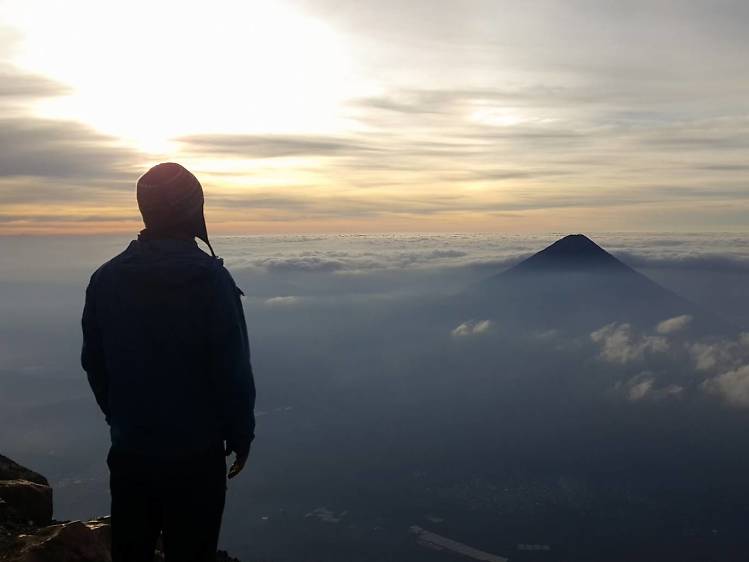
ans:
(151, 71)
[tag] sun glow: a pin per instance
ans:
(148, 71)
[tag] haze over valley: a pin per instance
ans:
(436, 397)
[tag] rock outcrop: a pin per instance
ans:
(72, 541)
(11, 470)
(29, 534)
(26, 501)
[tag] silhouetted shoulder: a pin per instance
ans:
(169, 262)
(222, 278)
(106, 266)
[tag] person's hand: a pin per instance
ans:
(238, 464)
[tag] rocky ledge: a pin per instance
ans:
(29, 534)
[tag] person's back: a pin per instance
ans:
(166, 353)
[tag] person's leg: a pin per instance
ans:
(193, 509)
(136, 510)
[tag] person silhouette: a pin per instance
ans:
(166, 353)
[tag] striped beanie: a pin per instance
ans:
(170, 200)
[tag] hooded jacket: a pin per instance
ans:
(166, 352)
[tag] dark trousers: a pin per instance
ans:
(180, 499)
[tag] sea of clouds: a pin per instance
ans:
(317, 309)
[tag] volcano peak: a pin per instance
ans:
(573, 252)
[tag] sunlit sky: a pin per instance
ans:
(423, 115)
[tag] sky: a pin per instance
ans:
(321, 116)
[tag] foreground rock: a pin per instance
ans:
(28, 533)
(11, 470)
(23, 500)
(74, 541)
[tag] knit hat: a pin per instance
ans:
(171, 200)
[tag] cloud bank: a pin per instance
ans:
(710, 366)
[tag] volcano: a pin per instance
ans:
(576, 285)
(575, 252)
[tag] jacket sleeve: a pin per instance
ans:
(230, 360)
(92, 352)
